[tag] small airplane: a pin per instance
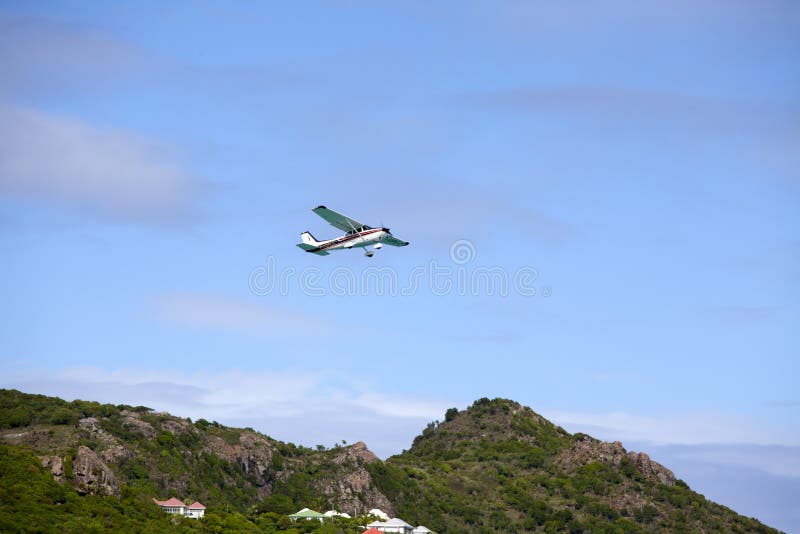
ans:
(358, 235)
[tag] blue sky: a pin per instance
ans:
(160, 160)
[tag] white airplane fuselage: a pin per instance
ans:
(365, 238)
(358, 235)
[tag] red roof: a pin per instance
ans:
(171, 502)
(373, 530)
(196, 506)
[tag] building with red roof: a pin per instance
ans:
(195, 510)
(173, 505)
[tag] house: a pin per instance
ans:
(175, 506)
(373, 530)
(394, 525)
(195, 510)
(307, 513)
(422, 529)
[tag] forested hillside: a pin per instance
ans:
(495, 467)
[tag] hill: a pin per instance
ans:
(495, 467)
(500, 467)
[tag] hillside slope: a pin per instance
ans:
(500, 467)
(495, 467)
(99, 448)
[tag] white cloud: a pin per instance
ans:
(692, 428)
(39, 54)
(402, 406)
(776, 460)
(309, 407)
(231, 314)
(333, 406)
(108, 172)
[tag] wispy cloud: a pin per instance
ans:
(41, 55)
(331, 407)
(232, 314)
(111, 173)
(773, 459)
(690, 428)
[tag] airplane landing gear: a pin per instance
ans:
(369, 253)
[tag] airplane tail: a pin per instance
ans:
(309, 239)
(310, 244)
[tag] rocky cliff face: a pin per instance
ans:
(56, 466)
(651, 469)
(91, 475)
(587, 449)
(252, 453)
(354, 491)
(133, 421)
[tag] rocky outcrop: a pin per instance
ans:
(253, 453)
(586, 449)
(56, 466)
(116, 454)
(357, 451)
(43, 439)
(177, 426)
(649, 468)
(90, 423)
(112, 451)
(91, 475)
(133, 422)
(93, 429)
(353, 490)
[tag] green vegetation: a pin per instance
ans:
(32, 501)
(495, 467)
(19, 409)
(500, 467)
